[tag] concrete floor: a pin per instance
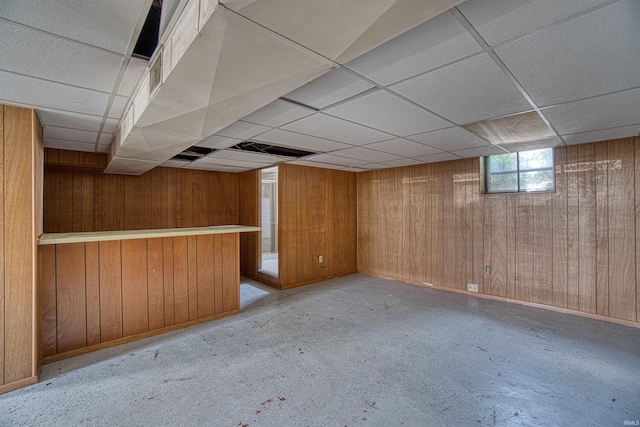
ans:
(357, 350)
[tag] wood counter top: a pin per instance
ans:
(99, 236)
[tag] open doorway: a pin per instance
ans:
(269, 218)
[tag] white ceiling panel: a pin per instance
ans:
(103, 148)
(450, 139)
(118, 106)
(242, 130)
(328, 127)
(68, 145)
(105, 139)
(532, 145)
(216, 168)
(278, 113)
(69, 120)
(497, 20)
(335, 160)
(111, 125)
(228, 162)
(328, 89)
(70, 134)
(388, 113)
(591, 55)
(327, 166)
(23, 90)
(403, 147)
(107, 24)
(440, 157)
(375, 166)
(244, 156)
(608, 111)
(56, 59)
(218, 142)
(602, 135)
(132, 75)
(298, 140)
(360, 153)
(480, 151)
(467, 91)
(172, 163)
(403, 162)
(430, 45)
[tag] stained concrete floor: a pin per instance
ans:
(352, 351)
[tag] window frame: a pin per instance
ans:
(517, 171)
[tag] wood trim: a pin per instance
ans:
(512, 301)
(131, 338)
(6, 388)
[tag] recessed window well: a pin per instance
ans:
(522, 172)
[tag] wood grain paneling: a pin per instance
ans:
(575, 248)
(248, 207)
(318, 217)
(161, 198)
(135, 280)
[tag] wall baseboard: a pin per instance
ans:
(18, 384)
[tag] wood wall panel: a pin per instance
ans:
(161, 198)
(318, 217)
(248, 207)
(574, 248)
(135, 280)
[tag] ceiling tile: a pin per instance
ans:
(69, 120)
(132, 76)
(229, 162)
(497, 20)
(105, 138)
(103, 148)
(435, 43)
(242, 130)
(111, 125)
(360, 153)
(480, 151)
(516, 128)
(298, 140)
(389, 113)
(602, 135)
(467, 91)
(216, 168)
(403, 147)
(23, 90)
(532, 145)
(118, 106)
(328, 127)
(176, 163)
(403, 162)
(450, 139)
(440, 157)
(332, 87)
(278, 113)
(591, 55)
(326, 166)
(608, 111)
(107, 24)
(69, 145)
(335, 160)
(57, 59)
(242, 155)
(375, 166)
(218, 142)
(70, 134)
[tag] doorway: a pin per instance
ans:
(269, 220)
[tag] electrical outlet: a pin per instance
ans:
(320, 259)
(487, 269)
(472, 288)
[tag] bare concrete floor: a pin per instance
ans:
(357, 350)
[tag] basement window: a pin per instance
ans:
(521, 172)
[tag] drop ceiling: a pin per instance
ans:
(406, 100)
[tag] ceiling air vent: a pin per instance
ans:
(193, 153)
(258, 147)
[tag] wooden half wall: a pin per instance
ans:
(317, 210)
(21, 160)
(577, 248)
(79, 200)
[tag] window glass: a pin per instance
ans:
(519, 172)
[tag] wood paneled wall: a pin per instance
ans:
(577, 248)
(161, 198)
(317, 210)
(99, 292)
(21, 163)
(249, 214)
